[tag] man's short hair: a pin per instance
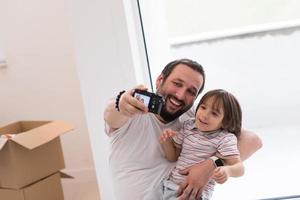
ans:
(190, 63)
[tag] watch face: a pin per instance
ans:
(219, 162)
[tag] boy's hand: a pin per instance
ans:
(166, 134)
(220, 175)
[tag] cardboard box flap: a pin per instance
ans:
(4, 138)
(13, 128)
(2, 142)
(65, 175)
(61, 175)
(42, 134)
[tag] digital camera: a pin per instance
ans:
(153, 101)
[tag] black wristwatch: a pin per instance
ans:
(217, 161)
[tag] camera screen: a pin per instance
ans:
(143, 98)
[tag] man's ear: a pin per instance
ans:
(159, 80)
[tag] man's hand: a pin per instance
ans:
(197, 177)
(129, 106)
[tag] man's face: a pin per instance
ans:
(180, 89)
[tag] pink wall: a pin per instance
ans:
(40, 81)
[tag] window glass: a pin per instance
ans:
(259, 67)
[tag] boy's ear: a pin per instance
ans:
(222, 125)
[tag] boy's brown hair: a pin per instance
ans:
(232, 121)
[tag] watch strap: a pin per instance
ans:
(217, 161)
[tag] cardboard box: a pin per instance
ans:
(30, 152)
(49, 188)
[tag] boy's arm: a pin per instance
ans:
(198, 174)
(170, 149)
(233, 168)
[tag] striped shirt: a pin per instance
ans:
(197, 146)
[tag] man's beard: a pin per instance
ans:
(167, 116)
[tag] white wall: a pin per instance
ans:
(110, 57)
(65, 61)
(40, 81)
(192, 17)
(156, 36)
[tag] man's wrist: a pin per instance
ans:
(117, 102)
(216, 161)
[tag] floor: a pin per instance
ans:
(83, 186)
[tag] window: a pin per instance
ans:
(249, 49)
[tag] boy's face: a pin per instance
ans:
(209, 118)
(180, 90)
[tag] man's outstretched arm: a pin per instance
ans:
(248, 144)
(113, 118)
(128, 106)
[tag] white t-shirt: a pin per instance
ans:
(137, 160)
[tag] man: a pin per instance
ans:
(137, 161)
